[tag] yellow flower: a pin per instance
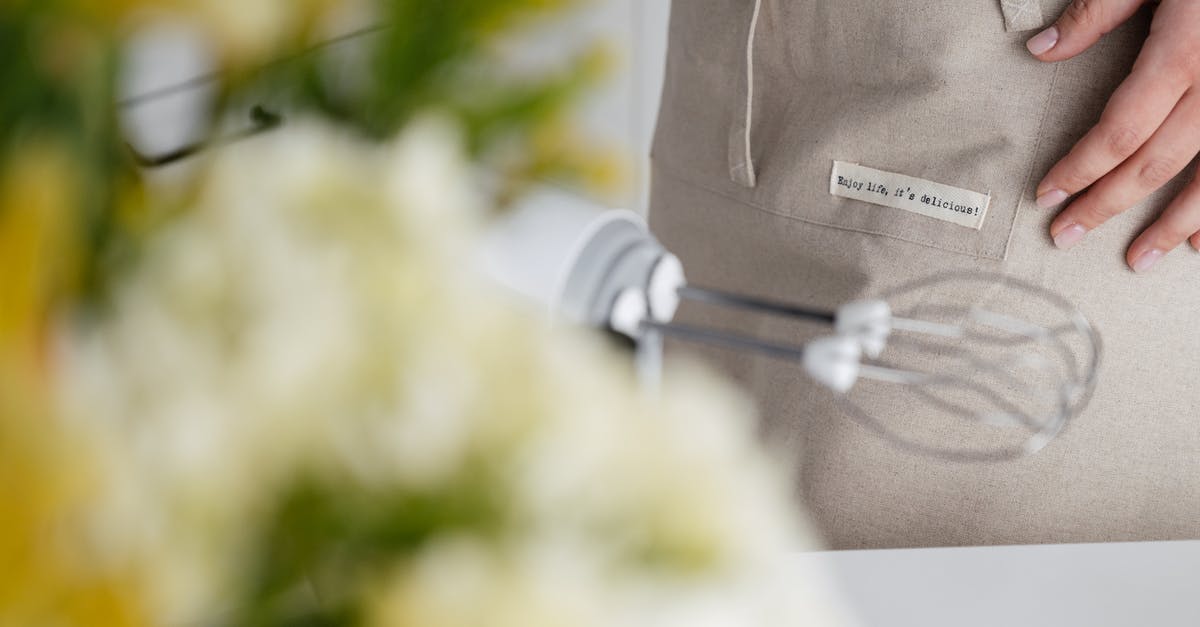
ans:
(50, 574)
(36, 201)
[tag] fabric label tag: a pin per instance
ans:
(935, 200)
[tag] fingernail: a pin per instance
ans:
(1146, 260)
(1051, 198)
(1069, 237)
(1043, 41)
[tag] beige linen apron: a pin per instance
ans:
(942, 90)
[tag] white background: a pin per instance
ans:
(625, 107)
(621, 110)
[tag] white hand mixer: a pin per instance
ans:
(963, 366)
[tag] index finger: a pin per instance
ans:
(1137, 108)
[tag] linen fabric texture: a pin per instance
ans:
(942, 90)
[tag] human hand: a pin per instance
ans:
(1148, 133)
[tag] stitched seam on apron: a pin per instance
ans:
(1033, 155)
(1022, 15)
(675, 174)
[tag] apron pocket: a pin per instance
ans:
(912, 120)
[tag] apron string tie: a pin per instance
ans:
(741, 155)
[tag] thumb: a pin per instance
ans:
(1082, 25)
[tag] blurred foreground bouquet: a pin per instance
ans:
(278, 394)
(316, 415)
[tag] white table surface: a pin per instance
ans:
(1094, 585)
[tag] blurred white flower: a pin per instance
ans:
(312, 323)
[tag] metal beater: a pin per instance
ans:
(963, 366)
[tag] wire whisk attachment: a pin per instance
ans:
(965, 366)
